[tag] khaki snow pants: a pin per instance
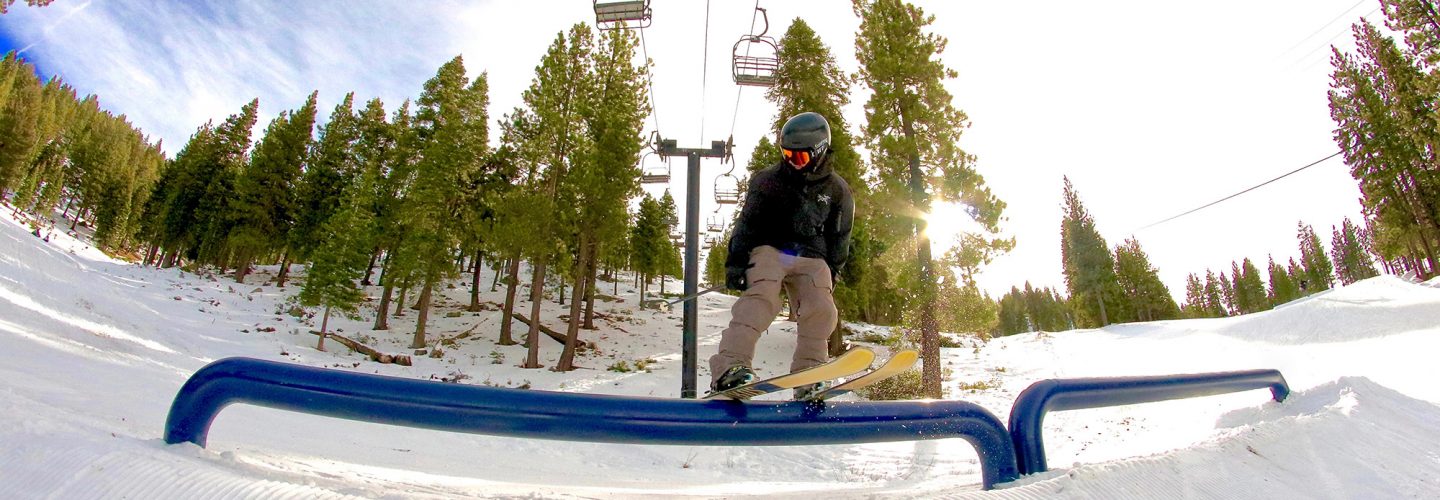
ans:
(808, 283)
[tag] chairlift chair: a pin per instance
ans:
(713, 225)
(756, 58)
(727, 189)
(654, 175)
(622, 15)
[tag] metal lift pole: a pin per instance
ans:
(718, 149)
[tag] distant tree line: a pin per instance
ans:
(1106, 285)
(59, 151)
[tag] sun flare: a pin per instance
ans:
(946, 222)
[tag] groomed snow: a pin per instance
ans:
(95, 349)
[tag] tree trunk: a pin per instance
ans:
(381, 321)
(284, 269)
(370, 268)
(512, 283)
(244, 268)
(930, 375)
(324, 324)
(419, 340)
(495, 281)
(150, 255)
(475, 285)
(400, 303)
(590, 294)
(537, 294)
(572, 330)
(837, 339)
(1104, 318)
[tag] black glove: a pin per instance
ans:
(735, 278)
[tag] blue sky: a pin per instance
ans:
(1150, 108)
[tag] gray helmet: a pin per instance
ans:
(806, 132)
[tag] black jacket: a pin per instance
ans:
(805, 213)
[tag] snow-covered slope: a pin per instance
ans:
(95, 349)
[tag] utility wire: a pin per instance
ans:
(704, 71)
(1287, 174)
(1323, 26)
(1327, 42)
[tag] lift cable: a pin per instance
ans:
(704, 70)
(740, 88)
(650, 82)
(1252, 188)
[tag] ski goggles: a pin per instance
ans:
(797, 158)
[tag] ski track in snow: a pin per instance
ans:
(96, 349)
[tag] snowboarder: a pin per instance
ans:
(794, 231)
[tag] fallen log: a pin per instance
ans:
(374, 355)
(545, 329)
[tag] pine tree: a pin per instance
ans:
(1283, 288)
(19, 132)
(1319, 270)
(220, 169)
(340, 257)
(516, 210)
(452, 126)
(389, 228)
(649, 241)
(1045, 309)
(1140, 282)
(1012, 317)
(912, 131)
(1249, 288)
(1087, 263)
(329, 167)
(555, 140)
(608, 178)
(1348, 251)
(264, 206)
(1195, 302)
(1215, 295)
(669, 262)
(1300, 277)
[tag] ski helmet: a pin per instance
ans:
(805, 140)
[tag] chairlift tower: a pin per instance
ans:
(718, 149)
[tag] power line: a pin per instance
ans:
(1252, 188)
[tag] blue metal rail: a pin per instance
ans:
(578, 417)
(1028, 413)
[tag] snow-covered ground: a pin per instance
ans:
(93, 350)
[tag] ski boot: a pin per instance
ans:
(736, 376)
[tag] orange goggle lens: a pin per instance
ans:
(796, 158)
